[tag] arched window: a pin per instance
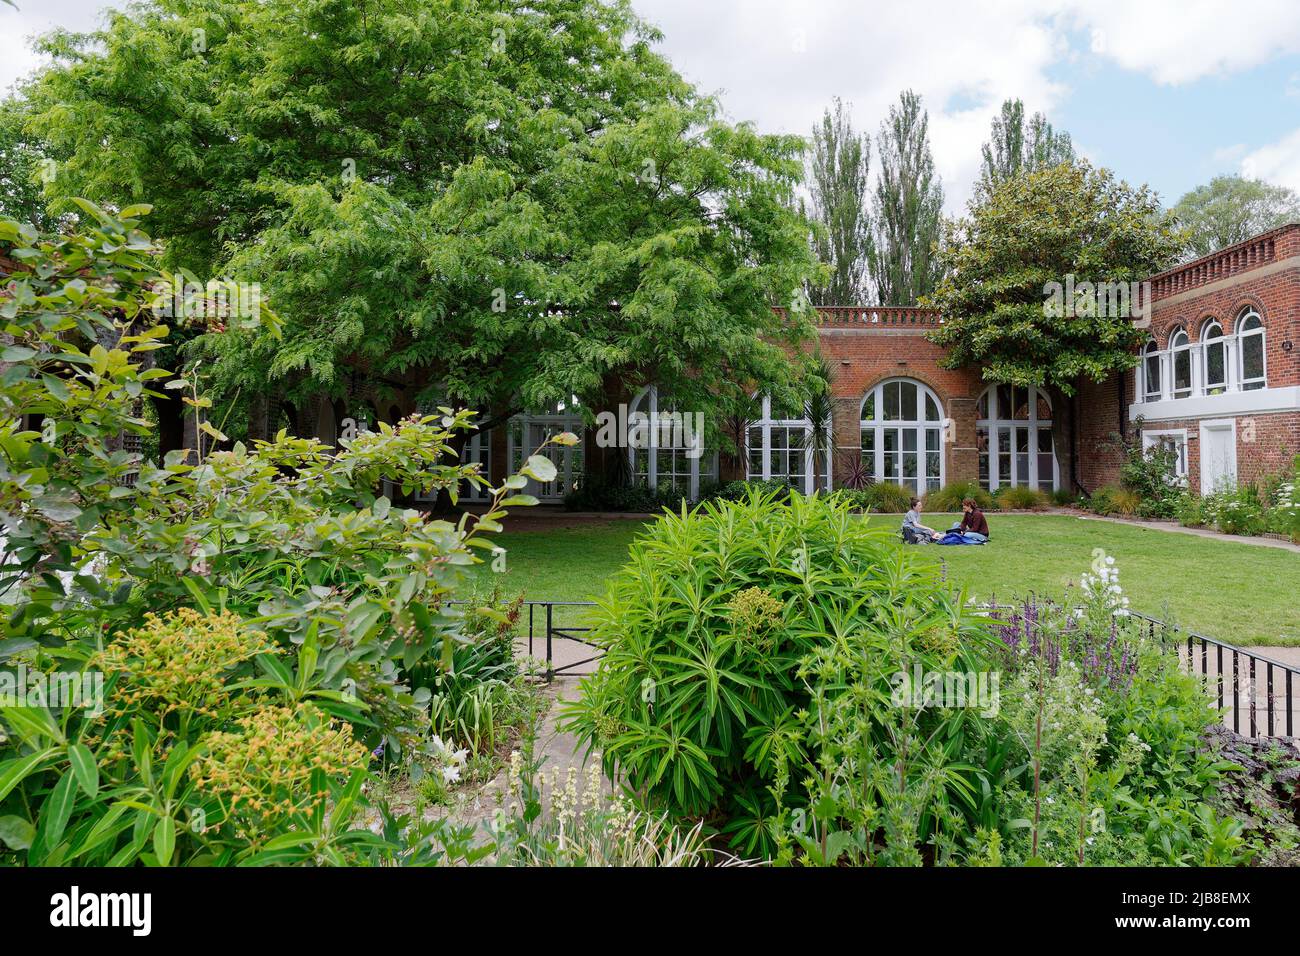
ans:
(527, 432)
(1250, 338)
(780, 447)
(902, 434)
(1014, 437)
(1151, 363)
(1180, 349)
(1215, 350)
(670, 451)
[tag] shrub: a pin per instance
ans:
(740, 489)
(1114, 500)
(1236, 512)
(1063, 497)
(191, 760)
(1191, 511)
(613, 496)
(697, 702)
(950, 496)
(1152, 474)
(1019, 498)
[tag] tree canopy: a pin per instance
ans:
(839, 178)
(510, 201)
(1231, 209)
(908, 211)
(1070, 222)
(1015, 147)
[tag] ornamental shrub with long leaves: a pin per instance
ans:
(704, 700)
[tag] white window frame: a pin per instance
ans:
(1174, 352)
(1207, 343)
(1149, 351)
(1260, 331)
(647, 401)
(996, 422)
(807, 479)
(921, 425)
(1178, 436)
(563, 417)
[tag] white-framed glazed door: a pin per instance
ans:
(1218, 455)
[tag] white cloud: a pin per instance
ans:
(1276, 163)
(779, 62)
(1179, 41)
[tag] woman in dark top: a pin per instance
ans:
(972, 521)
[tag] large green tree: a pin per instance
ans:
(839, 178)
(1015, 146)
(1008, 261)
(908, 209)
(511, 202)
(1230, 209)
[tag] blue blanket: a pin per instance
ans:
(956, 537)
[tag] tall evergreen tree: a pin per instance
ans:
(907, 218)
(1014, 147)
(839, 177)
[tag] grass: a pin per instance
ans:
(1241, 593)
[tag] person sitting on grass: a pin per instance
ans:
(913, 531)
(973, 525)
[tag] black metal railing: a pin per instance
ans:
(1230, 673)
(1235, 688)
(550, 630)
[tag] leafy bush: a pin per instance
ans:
(1020, 498)
(347, 592)
(1111, 729)
(613, 496)
(1152, 474)
(1063, 497)
(699, 702)
(1114, 500)
(194, 757)
(950, 496)
(880, 497)
(1235, 511)
(739, 490)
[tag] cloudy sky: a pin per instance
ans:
(1166, 92)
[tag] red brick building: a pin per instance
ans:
(1219, 381)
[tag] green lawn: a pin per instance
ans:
(1236, 592)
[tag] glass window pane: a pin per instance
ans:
(1020, 398)
(909, 410)
(1004, 406)
(1044, 408)
(869, 408)
(1182, 371)
(891, 439)
(931, 409)
(982, 409)
(1153, 376)
(892, 401)
(1214, 365)
(909, 439)
(1252, 358)
(933, 439)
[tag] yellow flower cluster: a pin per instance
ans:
(179, 662)
(263, 771)
(755, 611)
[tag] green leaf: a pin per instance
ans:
(16, 833)
(85, 768)
(164, 840)
(13, 772)
(540, 468)
(57, 809)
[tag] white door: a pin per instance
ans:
(1218, 455)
